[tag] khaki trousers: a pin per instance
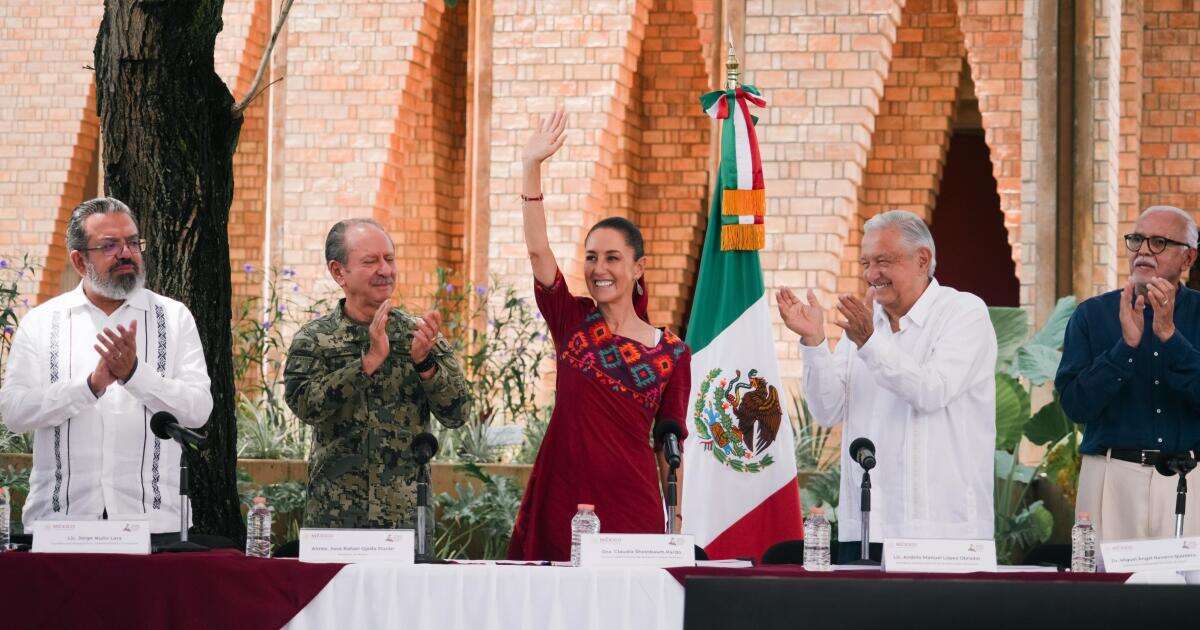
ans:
(1130, 501)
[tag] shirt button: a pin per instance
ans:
(1155, 353)
(1160, 440)
(1131, 360)
(1158, 411)
(1156, 381)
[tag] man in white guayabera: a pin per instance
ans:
(89, 368)
(914, 373)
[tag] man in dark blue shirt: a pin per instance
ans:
(1130, 374)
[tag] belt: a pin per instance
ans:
(1143, 457)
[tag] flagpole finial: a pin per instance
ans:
(733, 74)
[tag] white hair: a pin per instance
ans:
(1188, 221)
(913, 231)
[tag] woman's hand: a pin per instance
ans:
(547, 138)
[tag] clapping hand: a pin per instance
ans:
(806, 320)
(425, 336)
(859, 323)
(118, 357)
(1162, 299)
(1131, 314)
(380, 345)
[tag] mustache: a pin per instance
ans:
(125, 261)
(382, 282)
(1147, 260)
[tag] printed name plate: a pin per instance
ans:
(357, 545)
(110, 536)
(1159, 554)
(637, 550)
(938, 556)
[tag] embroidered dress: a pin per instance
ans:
(611, 393)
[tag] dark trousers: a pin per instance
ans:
(848, 552)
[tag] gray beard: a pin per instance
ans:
(117, 288)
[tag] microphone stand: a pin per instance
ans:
(423, 553)
(864, 557)
(672, 502)
(1180, 503)
(184, 508)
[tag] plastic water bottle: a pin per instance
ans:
(816, 541)
(258, 529)
(585, 521)
(1083, 545)
(5, 516)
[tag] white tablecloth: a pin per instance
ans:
(491, 597)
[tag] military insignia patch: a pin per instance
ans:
(737, 419)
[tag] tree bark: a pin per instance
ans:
(169, 134)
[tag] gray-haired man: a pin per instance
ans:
(89, 368)
(914, 374)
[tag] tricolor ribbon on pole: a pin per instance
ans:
(743, 195)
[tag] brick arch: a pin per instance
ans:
(660, 174)
(992, 35)
(913, 127)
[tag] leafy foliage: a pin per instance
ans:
(12, 306)
(479, 522)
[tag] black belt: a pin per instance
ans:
(1143, 457)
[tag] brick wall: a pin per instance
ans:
(912, 130)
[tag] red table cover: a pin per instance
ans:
(215, 589)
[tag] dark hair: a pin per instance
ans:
(335, 241)
(633, 236)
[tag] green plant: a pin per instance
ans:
(15, 479)
(286, 497)
(12, 305)
(1020, 523)
(266, 427)
(502, 343)
(479, 520)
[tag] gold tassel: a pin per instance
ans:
(744, 202)
(743, 237)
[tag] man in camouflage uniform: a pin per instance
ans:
(366, 377)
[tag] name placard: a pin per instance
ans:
(357, 545)
(108, 536)
(637, 550)
(938, 556)
(1158, 554)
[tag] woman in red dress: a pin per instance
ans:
(617, 379)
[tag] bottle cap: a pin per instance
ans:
(816, 511)
(1083, 517)
(586, 506)
(260, 500)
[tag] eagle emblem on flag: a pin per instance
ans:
(737, 419)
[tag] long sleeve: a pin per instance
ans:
(1086, 384)
(447, 392)
(187, 394)
(1182, 373)
(313, 393)
(26, 401)
(963, 354)
(826, 375)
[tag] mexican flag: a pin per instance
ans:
(739, 485)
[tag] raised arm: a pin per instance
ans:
(545, 141)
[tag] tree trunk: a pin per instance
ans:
(169, 134)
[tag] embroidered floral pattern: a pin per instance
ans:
(55, 329)
(621, 364)
(160, 320)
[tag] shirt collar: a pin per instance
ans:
(76, 298)
(919, 313)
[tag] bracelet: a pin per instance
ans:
(527, 198)
(426, 364)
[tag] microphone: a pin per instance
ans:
(166, 427)
(668, 433)
(1171, 466)
(424, 447)
(862, 450)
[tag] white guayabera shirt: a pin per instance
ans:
(95, 455)
(926, 396)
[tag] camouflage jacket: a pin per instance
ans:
(361, 473)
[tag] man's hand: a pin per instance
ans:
(118, 351)
(806, 320)
(424, 337)
(859, 323)
(1131, 314)
(100, 378)
(380, 345)
(1162, 301)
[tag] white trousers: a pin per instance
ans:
(1130, 501)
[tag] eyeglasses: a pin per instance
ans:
(1133, 242)
(112, 247)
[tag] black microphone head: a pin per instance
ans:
(667, 427)
(866, 460)
(159, 422)
(424, 446)
(1164, 467)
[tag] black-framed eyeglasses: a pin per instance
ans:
(1133, 242)
(112, 247)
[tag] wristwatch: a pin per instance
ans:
(426, 364)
